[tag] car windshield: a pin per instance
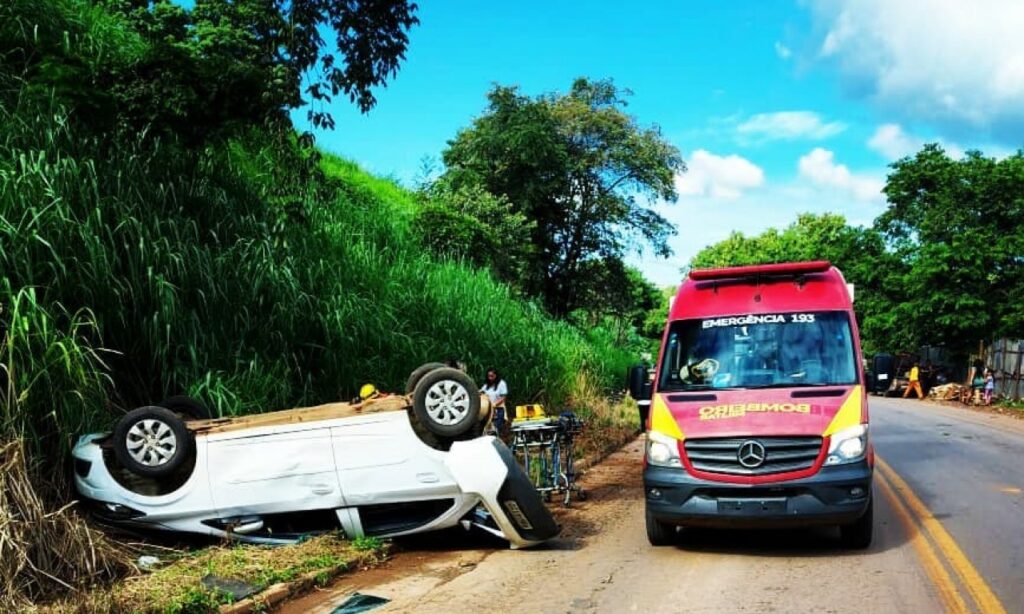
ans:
(759, 351)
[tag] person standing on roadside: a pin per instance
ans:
(915, 382)
(990, 385)
(496, 390)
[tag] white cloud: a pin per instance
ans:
(820, 169)
(706, 220)
(958, 64)
(892, 142)
(789, 125)
(783, 51)
(718, 176)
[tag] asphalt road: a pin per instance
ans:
(949, 536)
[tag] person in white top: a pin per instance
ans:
(496, 390)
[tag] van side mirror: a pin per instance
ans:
(637, 382)
(648, 390)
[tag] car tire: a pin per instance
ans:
(857, 536)
(419, 372)
(447, 402)
(658, 533)
(186, 407)
(152, 442)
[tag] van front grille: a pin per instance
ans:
(781, 454)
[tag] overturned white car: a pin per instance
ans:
(360, 467)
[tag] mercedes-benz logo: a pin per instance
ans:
(751, 454)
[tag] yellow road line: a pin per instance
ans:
(948, 593)
(979, 590)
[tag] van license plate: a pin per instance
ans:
(751, 507)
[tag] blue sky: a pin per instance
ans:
(778, 107)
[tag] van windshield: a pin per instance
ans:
(759, 351)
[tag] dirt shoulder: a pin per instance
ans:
(602, 562)
(430, 565)
(996, 409)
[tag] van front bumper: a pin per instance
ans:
(838, 494)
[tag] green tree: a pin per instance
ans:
(860, 253)
(580, 169)
(199, 72)
(618, 297)
(502, 241)
(656, 317)
(959, 226)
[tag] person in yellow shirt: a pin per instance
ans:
(915, 382)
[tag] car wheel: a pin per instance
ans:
(186, 408)
(857, 536)
(152, 442)
(658, 533)
(447, 402)
(419, 372)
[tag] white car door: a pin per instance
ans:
(266, 472)
(381, 460)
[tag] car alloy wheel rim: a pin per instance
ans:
(447, 402)
(151, 442)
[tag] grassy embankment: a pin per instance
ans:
(141, 274)
(203, 580)
(238, 272)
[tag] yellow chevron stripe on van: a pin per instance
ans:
(848, 414)
(662, 420)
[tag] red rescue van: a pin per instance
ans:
(759, 416)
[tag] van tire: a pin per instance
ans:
(447, 402)
(857, 536)
(419, 372)
(658, 533)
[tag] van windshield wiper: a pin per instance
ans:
(795, 385)
(701, 388)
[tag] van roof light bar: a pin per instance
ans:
(761, 270)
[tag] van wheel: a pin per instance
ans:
(857, 536)
(187, 408)
(152, 442)
(419, 372)
(658, 533)
(447, 402)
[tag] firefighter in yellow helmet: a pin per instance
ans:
(366, 392)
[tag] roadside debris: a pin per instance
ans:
(359, 603)
(229, 586)
(951, 392)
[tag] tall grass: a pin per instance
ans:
(132, 273)
(241, 273)
(228, 275)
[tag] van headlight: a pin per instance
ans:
(848, 445)
(662, 450)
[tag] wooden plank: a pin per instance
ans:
(330, 411)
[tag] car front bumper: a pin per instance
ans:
(835, 495)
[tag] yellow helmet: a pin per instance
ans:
(368, 391)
